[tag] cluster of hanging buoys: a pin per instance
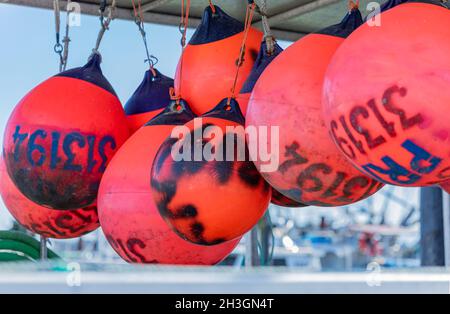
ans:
(56, 224)
(184, 190)
(61, 136)
(207, 67)
(213, 194)
(288, 95)
(149, 99)
(128, 213)
(386, 96)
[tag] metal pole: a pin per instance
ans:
(266, 232)
(251, 248)
(432, 227)
(44, 249)
(446, 221)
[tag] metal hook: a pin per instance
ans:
(58, 48)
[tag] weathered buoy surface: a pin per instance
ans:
(207, 68)
(149, 99)
(208, 196)
(311, 169)
(61, 224)
(128, 214)
(61, 136)
(386, 96)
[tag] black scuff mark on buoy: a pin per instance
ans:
(197, 229)
(188, 211)
(167, 191)
(249, 175)
(164, 153)
(253, 54)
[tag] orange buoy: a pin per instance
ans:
(386, 96)
(209, 196)
(149, 99)
(207, 67)
(61, 136)
(55, 224)
(262, 61)
(311, 169)
(128, 213)
(446, 186)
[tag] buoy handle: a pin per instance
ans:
(227, 109)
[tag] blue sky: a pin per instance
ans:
(27, 37)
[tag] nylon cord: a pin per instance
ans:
(61, 50)
(248, 23)
(268, 35)
(212, 6)
(184, 23)
(139, 20)
(105, 21)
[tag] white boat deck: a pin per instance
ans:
(128, 279)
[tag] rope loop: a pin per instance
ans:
(139, 20)
(105, 21)
(268, 35)
(353, 5)
(61, 50)
(212, 6)
(184, 23)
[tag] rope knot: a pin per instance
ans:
(353, 5)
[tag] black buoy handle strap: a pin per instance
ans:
(62, 51)
(105, 21)
(268, 35)
(139, 20)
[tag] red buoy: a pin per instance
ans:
(209, 196)
(386, 96)
(55, 224)
(61, 136)
(149, 99)
(207, 67)
(288, 95)
(128, 213)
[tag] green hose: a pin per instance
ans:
(13, 257)
(20, 246)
